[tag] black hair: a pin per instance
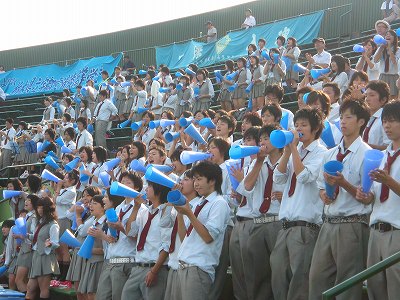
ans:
(381, 87)
(69, 156)
(211, 171)
(101, 153)
(71, 132)
(253, 118)
(334, 87)
(253, 133)
(68, 100)
(141, 148)
(51, 133)
(358, 108)
(282, 39)
(8, 223)
(135, 178)
(322, 98)
(391, 111)
(274, 110)
(103, 93)
(49, 210)
(67, 117)
(314, 117)
(140, 83)
(230, 121)
(114, 199)
(340, 62)
(222, 145)
(160, 191)
(83, 121)
(276, 90)
(98, 199)
(34, 183)
(92, 190)
(17, 184)
(74, 176)
(88, 150)
(150, 114)
(34, 200)
(266, 130)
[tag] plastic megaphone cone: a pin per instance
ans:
(287, 62)
(72, 164)
(136, 125)
(281, 138)
(39, 146)
(372, 161)
(164, 122)
(196, 91)
(175, 197)
(142, 110)
(69, 239)
(113, 81)
(232, 87)
(112, 163)
(178, 74)
(231, 76)
(331, 168)
(119, 189)
(59, 141)
(124, 124)
(179, 87)
(137, 166)
(299, 68)
(238, 151)
(285, 120)
(327, 135)
(305, 98)
(236, 164)
(105, 178)
(153, 175)
(126, 84)
(20, 224)
(276, 58)
(398, 31)
(162, 168)
(315, 73)
(3, 270)
(265, 54)
(65, 150)
(45, 144)
(53, 155)
(185, 121)
(83, 177)
(358, 48)
(249, 87)
(164, 90)
(47, 175)
(90, 128)
(112, 217)
(87, 247)
(170, 136)
(154, 124)
(84, 91)
(250, 104)
(142, 72)
(7, 194)
(195, 134)
(190, 72)
(50, 161)
(189, 157)
(218, 75)
(207, 122)
(156, 78)
(379, 40)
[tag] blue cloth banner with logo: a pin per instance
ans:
(54, 78)
(234, 44)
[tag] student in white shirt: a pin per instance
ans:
(170, 99)
(300, 211)
(7, 136)
(243, 79)
(69, 137)
(274, 94)
(49, 112)
(84, 110)
(250, 21)
(120, 96)
(332, 90)
(69, 108)
(322, 58)
(139, 101)
(145, 134)
(345, 217)
(377, 95)
(384, 222)
(203, 234)
(83, 138)
(291, 52)
(274, 73)
(338, 74)
(99, 157)
(366, 61)
(257, 78)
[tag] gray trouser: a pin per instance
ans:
(5, 158)
(384, 285)
(173, 289)
(195, 283)
(100, 132)
(112, 281)
(340, 253)
(135, 287)
(290, 262)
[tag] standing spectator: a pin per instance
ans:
(2, 69)
(322, 58)
(387, 8)
(261, 48)
(291, 52)
(250, 21)
(7, 136)
(211, 32)
(2, 95)
(366, 63)
(280, 42)
(382, 27)
(394, 15)
(128, 67)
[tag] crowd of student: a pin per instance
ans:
(277, 228)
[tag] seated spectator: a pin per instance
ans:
(322, 58)
(382, 27)
(250, 21)
(387, 8)
(395, 12)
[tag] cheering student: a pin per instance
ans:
(145, 133)
(83, 138)
(204, 234)
(161, 132)
(169, 99)
(69, 109)
(274, 94)
(49, 111)
(291, 52)
(249, 120)
(7, 136)
(185, 96)
(69, 137)
(120, 96)
(17, 203)
(203, 99)
(138, 151)
(242, 79)
(44, 241)
(11, 249)
(99, 156)
(274, 73)
(366, 62)
(84, 110)
(300, 211)
(119, 252)
(332, 90)
(224, 95)
(257, 78)
(357, 86)
(123, 166)
(49, 136)
(346, 218)
(20, 138)
(338, 74)
(300, 92)
(271, 114)
(384, 221)
(139, 95)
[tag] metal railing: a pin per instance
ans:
(360, 277)
(8, 170)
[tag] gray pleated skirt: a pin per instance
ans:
(64, 225)
(24, 260)
(128, 105)
(44, 265)
(90, 277)
(200, 105)
(257, 90)
(239, 93)
(12, 268)
(180, 109)
(76, 267)
(390, 79)
(224, 95)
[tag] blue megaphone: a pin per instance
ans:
(284, 120)
(231, 76)
(265, 54)
(299, 68)
(72, 164)
(69, 239)
(175, 197)
(136, 125)
(305, 97)
(59, 141)
(7, 194)
(287, 62)
(189, 157)
(156, 78)
(358, 48)
(164, 90)
(90, 128)
(207, 122)
(327, 135)
(170, 136)
(238, 151)
(190, 72)
(142, 110)
(142, 72)
(50, 161)
(331, 168)
(113, 81)
(195, 134)
(315, 73)
(156, 176)
(83, 177)
(65, 150)
(164, 123)
(42, 147)
(276, 58)
(218, 76)
(105, 179)
(47, 175)
(281, 138)
(185, 121)
(379, 40)
(232, 87)
(124, 124)
(3, 270)
(372, 161)
(20, 224)
(249, 87)
(113, 218)
(119, 189)
(178, 74)
(154, 124)
(125, 84)
(84, 91)
(87, 247)
(196, 91)
(250, 104)
(74, 225)
(236, 164)
(112, 163)
(179, 86)
(53, 155)
(398, 31)
(137, 166)
(162, 168)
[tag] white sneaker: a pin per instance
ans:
(24, 175)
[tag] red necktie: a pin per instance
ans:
(16, 211)
(386, 55)
(293, 180)
(91, 178)
(244, 200)
(196, 213)
(340, 157)
(35, 236)
(8, 131)
(365, 68)
(98, 111)
(267, 191)
(77, 141)
(366, 131)
(145, 231)
(385, 189)
(173, 236)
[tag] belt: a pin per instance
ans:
(347, 219)
(183, 265)
(265, 219)
(242, 219)
(383, 227)
(144, 265)
(121, 260)
(288, 224)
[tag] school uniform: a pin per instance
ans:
(224, 94)
(147, 136)
(120, 97)
(44, 261)
(139, 101)
(71, 111)
(336, 134)
(204, 103)
(6, 151)
(157, 102)
(183, 102)
(64, 201)
(24, 258)
(384, 238)
(295, 51)
(258, 88)
(301, 215)
(85, 113)
(96, 170)
(103, 112)
(345, 227)
(373, 73)
(198, 260)
(21, 157)
(273, 76)
(48, 114)
(119, 259)
(17, 204)
(84, 138)
(170, 103)
(243, 76)
(373, 133)
(389, 71)
(334, 113)
(12, 249)
(83, 184)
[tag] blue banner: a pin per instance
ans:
(53, 78)
(234, 44)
